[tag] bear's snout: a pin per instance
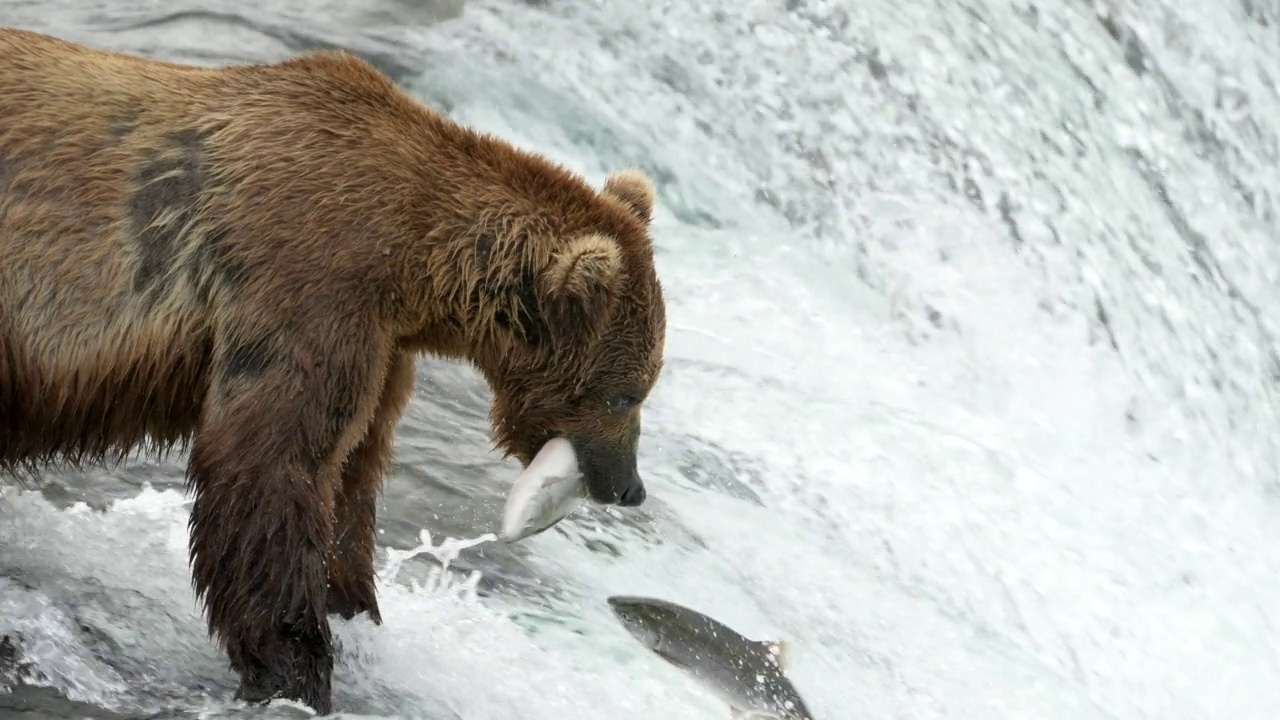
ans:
(633, 494)
(610, 473)
(624, 489)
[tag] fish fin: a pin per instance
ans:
(779, 650)
(736, 714)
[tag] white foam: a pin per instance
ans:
(936, 399)
(439, 650)
(975, 505)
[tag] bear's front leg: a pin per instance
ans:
(351, 576)
(265, 472)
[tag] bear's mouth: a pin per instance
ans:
(609, 472)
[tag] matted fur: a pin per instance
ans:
(247, 259)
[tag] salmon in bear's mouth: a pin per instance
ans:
(546, 492)
(558, 480)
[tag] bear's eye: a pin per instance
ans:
(622, 403)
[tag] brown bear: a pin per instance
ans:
(244, 261)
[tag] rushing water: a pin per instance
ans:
(970, 395)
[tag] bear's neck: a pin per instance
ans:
(444, 305)
(466, 219)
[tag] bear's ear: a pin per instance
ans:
(633, 189)
(578, 286)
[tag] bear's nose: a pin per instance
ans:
(633, 495)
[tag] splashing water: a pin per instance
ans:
(440, 580)
(969, 392)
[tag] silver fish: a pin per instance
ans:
(748, 675)
(548, 490)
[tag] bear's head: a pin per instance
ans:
(585, 346)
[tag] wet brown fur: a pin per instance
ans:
(247, 259)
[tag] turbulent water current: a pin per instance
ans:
(970, 392)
